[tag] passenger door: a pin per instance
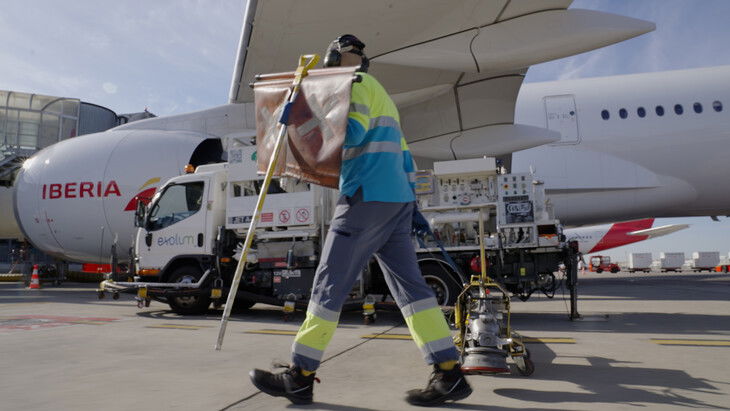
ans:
(561, 116)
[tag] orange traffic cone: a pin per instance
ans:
(35, 281)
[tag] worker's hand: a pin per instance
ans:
(419, 226)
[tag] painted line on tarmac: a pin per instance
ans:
(88, 322)
(271, 332)
(179, 327)
(692, 343)
(387, 336)
(549, 340)
(527, 340)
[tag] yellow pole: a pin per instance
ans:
(483, 262)
(306, 63)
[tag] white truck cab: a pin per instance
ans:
(182, 218)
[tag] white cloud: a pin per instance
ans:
(110, 88)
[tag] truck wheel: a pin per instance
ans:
(444, 285)
(614, 270)
(193, 304)
(599, 270)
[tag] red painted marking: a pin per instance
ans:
(55, 191)
(267, 217)
(86, 187)
(271, 260)
(97, 268)
(34, 322)
(617, 235)
(70, 190)
(75, 189)
(144, 196)
(111, 188)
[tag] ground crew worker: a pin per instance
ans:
(374, 215)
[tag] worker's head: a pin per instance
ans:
(346, 50)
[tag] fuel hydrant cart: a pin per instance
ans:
(501, 227)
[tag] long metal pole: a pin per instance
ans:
(305, 63)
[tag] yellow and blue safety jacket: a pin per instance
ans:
(375, 155)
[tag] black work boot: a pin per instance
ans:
(289, 383)
(443, 386)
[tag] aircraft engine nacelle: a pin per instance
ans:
(74, 198)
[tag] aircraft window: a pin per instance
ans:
(641, 112)
(697, 107)
(717, 106)
(605, 115)
(678, 109)
(176, 203)
(659, 111)
(623, 113)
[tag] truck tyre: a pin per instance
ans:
(193, 304)
(614, 270)
(599, 270)
(442, 281)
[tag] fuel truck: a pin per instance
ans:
(189, 236)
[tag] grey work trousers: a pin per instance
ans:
(358, 230)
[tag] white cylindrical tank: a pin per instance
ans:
(74, 198)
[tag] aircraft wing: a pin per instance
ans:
(659, 231)
(454, 68)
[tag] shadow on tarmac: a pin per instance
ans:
(609, 381)
(643, 323)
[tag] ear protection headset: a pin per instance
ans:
(347, 43)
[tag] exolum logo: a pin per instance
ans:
(176, 240)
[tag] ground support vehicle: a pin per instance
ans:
(190, 235)
(601, 263)
(640, 262)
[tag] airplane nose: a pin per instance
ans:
(72, 198)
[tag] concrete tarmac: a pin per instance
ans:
(646, 341)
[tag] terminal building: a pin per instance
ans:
(28, 123)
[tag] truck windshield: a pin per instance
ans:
(176, 203)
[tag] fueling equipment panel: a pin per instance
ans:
(524, 215)
(458, 183)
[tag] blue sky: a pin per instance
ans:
(176, 56)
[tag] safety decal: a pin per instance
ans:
(303, 215)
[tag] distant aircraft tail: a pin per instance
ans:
(629, 232)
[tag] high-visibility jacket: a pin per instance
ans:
(375, 155)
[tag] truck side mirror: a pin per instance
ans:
(139, 213)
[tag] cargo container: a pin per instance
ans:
(705, 260)
(639, 262)
(671, 262)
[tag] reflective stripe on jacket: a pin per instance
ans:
(375, 154)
